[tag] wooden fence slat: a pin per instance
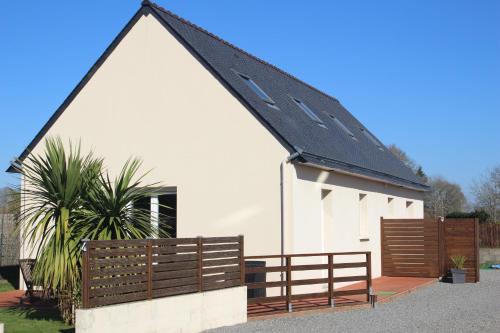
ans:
(174, 274)
(178, 282)
(489, 235)
(220, 269)
(226, 254)
(174, 249)
(174, 266)
(119, 271)
(94, 292)
(174, 291)
(116, 299)
(213, 240)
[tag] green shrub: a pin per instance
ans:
(479, 214)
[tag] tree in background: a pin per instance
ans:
(9, 201)
(487, 194)
(408, 161)
(443, 198)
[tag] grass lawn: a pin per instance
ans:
(487, 265)
(23, 320)
(6, 286)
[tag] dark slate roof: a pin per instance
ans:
(328, 147)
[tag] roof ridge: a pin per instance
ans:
(191, 24)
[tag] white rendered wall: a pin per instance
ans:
(188, 313)
(307, 231)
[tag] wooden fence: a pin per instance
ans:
(410, 247)
(461, 237)
(120, 271)
(423, 247)
(489, 235)
(287, 265)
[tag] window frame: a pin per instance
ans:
(370, 137)
(343, 127)
(308, 111)
(257, 90)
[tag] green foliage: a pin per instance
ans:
(479, 214)
(6, 286)
(28, 319)
(54, 183)
(458, 261)
(108, 211)
(69, 197)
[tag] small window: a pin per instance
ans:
(409, 209)
(363, 217)
(390, 206)
(257, 90)
(371, 138)
(310, 113)
(342, 126)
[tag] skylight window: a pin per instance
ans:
(372, 138)
(343, 127)
(257, 90)
(310, 113)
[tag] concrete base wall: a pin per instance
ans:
(183, 313)
(489, 255)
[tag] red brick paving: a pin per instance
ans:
(11, 298)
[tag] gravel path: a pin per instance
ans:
(440, 307)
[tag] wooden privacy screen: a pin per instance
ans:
(330, 268)
(422, 247)
(410, 247)
(120, 271)
(461, 237)
(489, 235)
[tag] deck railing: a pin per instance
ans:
(331, 267)
(120, 271)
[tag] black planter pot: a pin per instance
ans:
(457, 275)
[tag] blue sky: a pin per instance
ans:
(422, 74)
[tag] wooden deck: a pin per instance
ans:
(386, 288)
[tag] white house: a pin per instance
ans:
(240, 146)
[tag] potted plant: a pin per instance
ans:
(458, 273)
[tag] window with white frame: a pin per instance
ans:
(162, 205)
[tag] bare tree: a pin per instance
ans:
(443, 198)
(487, 194)
(403, 156)
(408, 161)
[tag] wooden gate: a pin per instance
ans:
(423, 247)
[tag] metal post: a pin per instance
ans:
(369, 275)
(242, 260)
(289, 283)
(85, 274)
(149, 253)
(331, 301)
(200, 263)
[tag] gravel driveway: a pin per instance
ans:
(440, 307)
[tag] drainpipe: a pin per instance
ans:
(283, 188)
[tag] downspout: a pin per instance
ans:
(283, 177)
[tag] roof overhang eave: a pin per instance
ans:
(419, 188)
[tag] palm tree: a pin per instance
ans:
(110, 211)
(68, 198)
(53, 185)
